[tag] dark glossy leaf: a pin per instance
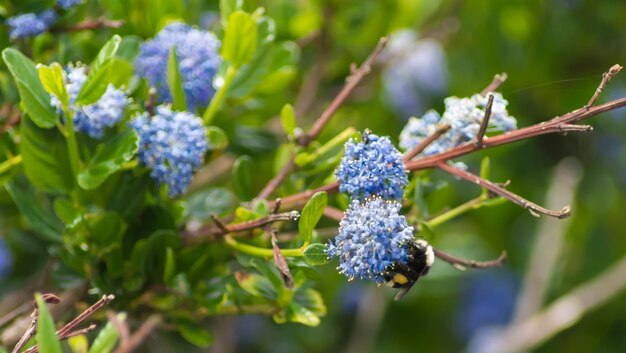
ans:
(40, 219)
(194, 333)
(217, 201)
(256, 285)
(311, 214)
(35, 99)
(242, 177)
(315, 254)
(175, 83)
(109, 159)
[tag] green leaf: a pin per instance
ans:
(315, 254)
(194, 333)
(98, 78)
(40, 219)
(240, 39)
(45, 158)
(170, 266)
(109, 159)
(227, 7)
(129, 48)
(66, 210)
(216, 138)
(218, 201)
(256, 285)
(311, 214)
(298, 313)
(46, 332)
(242, 177)
(174, 82)
(120, 72)
(35, 99)
(107, 338)
(52, 80)
(78, 344)
(288, 118)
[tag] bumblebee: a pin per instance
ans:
(404, 275)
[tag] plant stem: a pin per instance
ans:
(219, 96)
(463, 208)
(72, 145)
(9, 163)
(257, 251)
(336, 141)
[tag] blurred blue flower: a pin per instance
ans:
(487, 299)
(172, 144)
(5, 259)
(464, 115)
(31, 24)
(416, 72)
(67, 4)
(198, 61)
(372, 167)
(92, 119)
(372, 236)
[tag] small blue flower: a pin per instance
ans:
(372, 167)
(464, 115)
(5, 259)
(372, 236)
(31, 24)
(92, 119)
(198, 61)
(68, 4)
(173, 144)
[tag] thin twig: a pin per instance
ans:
(30, 332)
(497, 81)
(606, 77)
(209, 232)
(79, 332)
(333, 213)
(532, 207)
(426, 142)
(485, 122)
(137, 338)
(461, 263)
(120, 325)
(89, 24)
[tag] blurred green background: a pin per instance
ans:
(554, 53)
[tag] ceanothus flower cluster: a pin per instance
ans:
(32, 24)
(198, 61)
(372, 236)
(373, 167)
(464, 115)
(92, 119)
(172, 144)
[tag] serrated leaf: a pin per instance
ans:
(47, 339)
(98, 78)
(35, 99)
(288, 118)
(194, 333)
(109, 159)
(240, 39)
(175, 83)
(51, 78)
(242, 178)
(107, 338)
(315, 254)
(311, 214)
(216, 138)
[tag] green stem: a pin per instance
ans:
(246, 309)
(463, 208)
(340, 139)
(219, 96)
(257, 251)
(9, 163)
(72, 145)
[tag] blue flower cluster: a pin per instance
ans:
(173, 144)
(5, 259)
(32, 24)
(372, 167)
(372, 236)
(198, 62)
(464, 115)
(92, 119)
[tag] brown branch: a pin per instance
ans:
(497, 81)
(606, 77)
(137, 338)
(485, 122)
(426, 142)
(532, 207)
(210, 232)
(88, 24)
(333, 213)
(351, 82)
(461, 263)
(79, 332)
(30, 332)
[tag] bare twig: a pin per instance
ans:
(497, 81)
(461, 263)
(532, 207)
(485, 122)
(606, 77)
(137, 338)
(96, 23)
(120, 325)
(79, 332)
(30, 332)
(333, 213)
(426, 142)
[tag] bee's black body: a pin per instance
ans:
(404, 275)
